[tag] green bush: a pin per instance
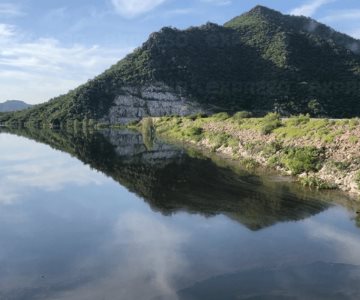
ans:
(270, 122)
(242, 115)
(299, 120)
(221, 116)
(272, 148)
(197, 116)
(340, 165)
(220, 139)
(300, 160)
(249, 163)
(194, 133)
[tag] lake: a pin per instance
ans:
(113, 215)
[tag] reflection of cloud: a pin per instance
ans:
(37, 168)
(146, 257)
(49, 175)
(7, 196)
(345, 243)
(153, 252)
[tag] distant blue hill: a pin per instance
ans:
(13, 105)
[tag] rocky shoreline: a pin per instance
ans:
(324, 157)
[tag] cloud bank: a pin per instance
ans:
(309, 9)
(134, 8)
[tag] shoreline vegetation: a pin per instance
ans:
(319, 153)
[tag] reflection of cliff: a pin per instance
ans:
(170, 180)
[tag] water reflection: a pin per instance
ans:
(33, 170)
(314, 281)
(197, 231)
(170, 180)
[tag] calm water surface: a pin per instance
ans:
(114, 216)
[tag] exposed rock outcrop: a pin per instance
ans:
(154, 100)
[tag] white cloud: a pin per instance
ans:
(218, 2)
(180, 11)
(44, 68)
(347, 15)
(133, 8)
(309, 9)
(6, 31)
(349, 20)
(10, 10)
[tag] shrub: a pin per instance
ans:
(242, 115)
(340, 165)
(249, 163)
(254, 148)
(219, 139)
(194, 132)
(221, 116)
(272, 148)
(298, 120)
(300, 160)
(270, 122)
(196, 116)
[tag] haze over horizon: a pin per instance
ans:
(50, 48)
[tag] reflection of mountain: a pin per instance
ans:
(170, 180)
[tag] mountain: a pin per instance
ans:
(260, 61)
(13, 105)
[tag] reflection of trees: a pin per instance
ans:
(170, 180)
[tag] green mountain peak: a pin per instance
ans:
(259, 61)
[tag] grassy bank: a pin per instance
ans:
(321, 153)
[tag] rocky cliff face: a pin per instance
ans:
(153, 100)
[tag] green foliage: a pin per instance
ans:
(220, 139)
(221, 116)
(299, 120)
(271, 122)
(279, 64)
(354, 139)
(272, 148)
(300, 160)
(242, 115)
(191, 133)
(249, 163)
(196, 116)
(354, 122)
(340, 165)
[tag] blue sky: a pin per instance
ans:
(48, 47)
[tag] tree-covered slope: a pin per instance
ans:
(260, 61)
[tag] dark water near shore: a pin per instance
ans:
(112, 215)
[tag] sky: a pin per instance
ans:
(49, 47)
